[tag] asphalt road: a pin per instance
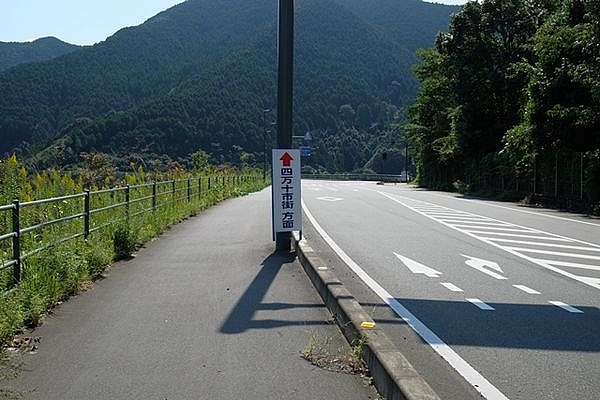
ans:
(484, 298)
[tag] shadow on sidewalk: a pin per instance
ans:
(241, 317)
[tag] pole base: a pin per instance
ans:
(283, 241)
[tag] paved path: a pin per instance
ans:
(207, 311)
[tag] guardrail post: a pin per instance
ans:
(154, 196)
(127, 190)
(86, 213)
(173, 184)
(199, 188)
(189, 190)
(16, 242)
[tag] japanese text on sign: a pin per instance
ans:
(287, 210)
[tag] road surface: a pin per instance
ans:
(485, 299)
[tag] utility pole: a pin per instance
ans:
(285, 91)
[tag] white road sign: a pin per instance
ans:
(287, 208)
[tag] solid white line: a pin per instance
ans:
(472, 376)
(492, 229)
(555, 245)
(483, 306)
(566, 307)
(553, 253)
(526, 289)
(521, 236)
(538, 214)
(451, 287)
(479, 224)
(569, 264)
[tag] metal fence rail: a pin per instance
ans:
(80, 215)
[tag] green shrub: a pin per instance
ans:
(124, 242)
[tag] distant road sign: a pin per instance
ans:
(305, 151)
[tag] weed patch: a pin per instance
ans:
(321, 353)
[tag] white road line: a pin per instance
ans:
(451, 287)
(479, 224)
(566, 307)
(539, 214)
(555, 245)
(520, 236)
(481, 384)
(553, 253)
(570, 264)
(507, 228)
(526, 289)
(481, 305)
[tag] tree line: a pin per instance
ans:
(510, 100)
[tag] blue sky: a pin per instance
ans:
(82, 22)
(73, 21)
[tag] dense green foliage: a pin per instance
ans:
(14, 53)
(198, 76)
(509, 91)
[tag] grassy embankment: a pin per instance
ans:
(52, 275)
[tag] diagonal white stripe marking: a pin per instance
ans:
(451, 287)
(553, 253)
(569, 264)
(526, 289)
(541, 244)
(483, 306)
(566, 307)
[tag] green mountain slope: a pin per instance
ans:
(135, 65)
(340, 60)
(15, 53)
(413, 23)
(199, 75)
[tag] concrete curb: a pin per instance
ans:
(394, 377)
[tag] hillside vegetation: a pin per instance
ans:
(510, 101)
(14, 53)
(198, 76)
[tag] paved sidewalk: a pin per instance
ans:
(206, 311)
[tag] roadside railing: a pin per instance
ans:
(28, 228)
(357, 177)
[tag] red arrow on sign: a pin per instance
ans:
(286, 159)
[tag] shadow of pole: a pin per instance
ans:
(241, 317)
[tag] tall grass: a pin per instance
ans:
(61, 270)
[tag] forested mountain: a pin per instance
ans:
(197, 77)
(15, 53)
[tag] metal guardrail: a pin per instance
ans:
(92, 211)
(357, 177)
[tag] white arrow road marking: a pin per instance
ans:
(484, 266)
(327, 198)
(478, 381)
(418, 268)
(566, 307)
(452, 287)
(483, 306)
(526, 289)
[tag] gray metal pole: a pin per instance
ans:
(285, 88)
(285, 94)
